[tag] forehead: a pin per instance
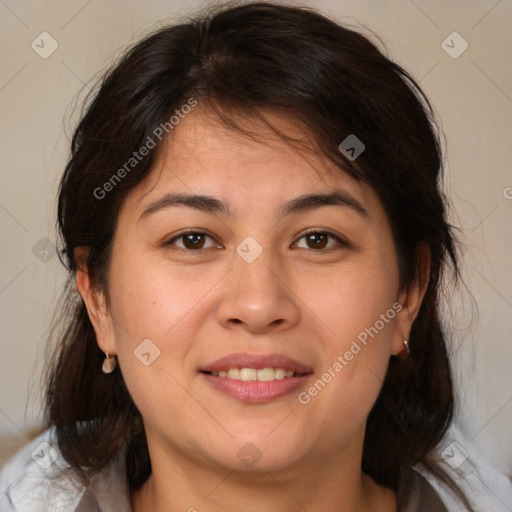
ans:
(251, 169)
(202, 143)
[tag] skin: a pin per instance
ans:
(294, 299)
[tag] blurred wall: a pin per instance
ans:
(50, 53)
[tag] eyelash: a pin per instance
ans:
(341, 242)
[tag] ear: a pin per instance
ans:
(95, 303)
(411, 299)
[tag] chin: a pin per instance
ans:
(259, 453)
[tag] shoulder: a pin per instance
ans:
(37, 478)
(485, 486)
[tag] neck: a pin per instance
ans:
(179, 484)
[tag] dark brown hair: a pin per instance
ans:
(243, 60)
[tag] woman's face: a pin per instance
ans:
(289, 265)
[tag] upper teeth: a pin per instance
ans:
(248, 374)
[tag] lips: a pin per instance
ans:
(257, 362)
(254, 391)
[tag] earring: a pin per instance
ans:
(109, 364)
(406, 351)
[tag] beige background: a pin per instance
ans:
(472, 95)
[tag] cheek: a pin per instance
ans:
(152, 300)
(168, 307)
(357, 321)
(157, 315)
(352, 299)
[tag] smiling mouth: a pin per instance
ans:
(267, 374)
(256, 385)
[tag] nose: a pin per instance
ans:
(258, 297)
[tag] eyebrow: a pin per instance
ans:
(212, 205)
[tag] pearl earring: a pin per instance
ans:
(109, 364)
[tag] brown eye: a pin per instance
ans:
(320, 240)
(316, 240)
(191, 241)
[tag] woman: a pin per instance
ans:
(252, 216)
